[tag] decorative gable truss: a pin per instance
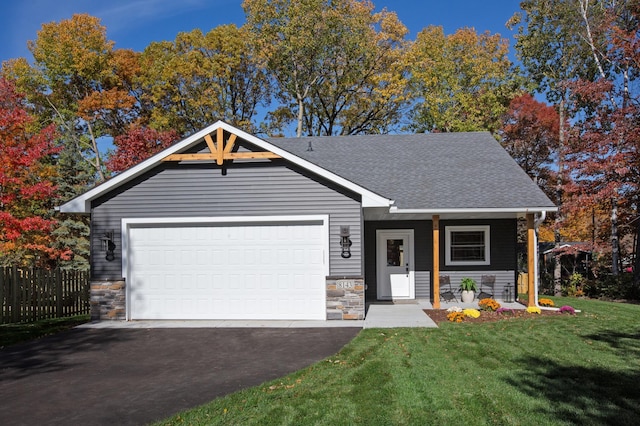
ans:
(221, 149)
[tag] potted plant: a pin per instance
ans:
(468, 287)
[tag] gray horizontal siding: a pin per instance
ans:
(504, 278)
(423, 285)
(191, 190)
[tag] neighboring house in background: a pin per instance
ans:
(225, 225)
(575, 257)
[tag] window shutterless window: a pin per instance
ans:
(467, 245)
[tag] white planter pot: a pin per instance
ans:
(467, 296)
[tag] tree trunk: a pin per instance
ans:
(557, 270)
(615, 246)
(300, 115)
(636, 259)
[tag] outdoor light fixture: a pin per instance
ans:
(507, 296)
(108, 245)
(345, 242)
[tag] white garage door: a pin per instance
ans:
(227, 271)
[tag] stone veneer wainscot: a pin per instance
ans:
(108, 300)
(345, 298)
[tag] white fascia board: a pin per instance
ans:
(82, 203)
(396, 210)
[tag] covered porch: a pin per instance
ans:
(413, 252)
(532, 262)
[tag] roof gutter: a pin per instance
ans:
(542, 210)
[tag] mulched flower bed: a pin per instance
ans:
(440, 315)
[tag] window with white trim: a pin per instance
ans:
(467, 245)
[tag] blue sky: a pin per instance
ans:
(135, 23)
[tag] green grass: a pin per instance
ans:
(568, 370)
(15, 333)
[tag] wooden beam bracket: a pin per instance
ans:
(219, 151)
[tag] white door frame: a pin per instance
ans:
(381, 237)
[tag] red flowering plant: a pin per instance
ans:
(566, 309)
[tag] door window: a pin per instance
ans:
(395, 252)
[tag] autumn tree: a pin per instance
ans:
(551, 46)
(79, 82)
(529, 133)
(200, 78)
(27, 192)
(603, 154)
(461, 82)
(584, 54)
(137, 145)
(336, 64)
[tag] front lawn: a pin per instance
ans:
(581, 369)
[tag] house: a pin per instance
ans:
(574, 256)
(226, 225)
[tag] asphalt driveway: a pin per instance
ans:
(137, 376)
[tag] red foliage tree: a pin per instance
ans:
(604, 153)
(530, 134)
(137, 145)
(27, 193)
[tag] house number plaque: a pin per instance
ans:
(345, 284)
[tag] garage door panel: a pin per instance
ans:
(227, 272)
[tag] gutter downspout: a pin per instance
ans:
(537, 222)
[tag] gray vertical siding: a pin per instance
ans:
(206, 190)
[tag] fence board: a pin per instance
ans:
(28, 295)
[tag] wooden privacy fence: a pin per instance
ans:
(28, 295)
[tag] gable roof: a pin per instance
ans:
(427, 172)
(82, 203)
(422, 173)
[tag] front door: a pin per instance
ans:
(395, 260)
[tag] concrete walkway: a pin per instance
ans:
(392, 315)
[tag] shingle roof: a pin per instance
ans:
(425, 171)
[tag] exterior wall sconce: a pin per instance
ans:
(108, 246)
(345, 242)
(507, 295)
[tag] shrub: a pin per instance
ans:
(455, 316)
(473, 313)
(505, 311)
(546, 302)
(612, 287)
(573, 288)
(489, 305)
(567, 309)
